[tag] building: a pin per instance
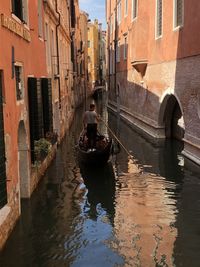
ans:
(79, 20)
(84, 61)
(42, 63)
(58, 61)
(93, 52)
(22, 58)
(102, 55)
(153, 57)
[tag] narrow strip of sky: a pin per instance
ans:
(95, 9)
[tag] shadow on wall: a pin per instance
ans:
(130, 93)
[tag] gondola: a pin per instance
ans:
(98, 92)
(96, 156)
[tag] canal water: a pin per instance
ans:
(141, 210)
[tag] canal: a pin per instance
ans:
(142, 210)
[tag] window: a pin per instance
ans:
(40, 23)
(89, 44)
(53, 54)
(134, 9)
(111, 26)
(178, 13)
(111, 59)
(114, 59)
(19, 82)
(118, 51)
(125, 47)
(119, 12)
(47, 46)
(159, 18)
(126, 8)
(20, 9)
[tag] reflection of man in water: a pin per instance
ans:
(90, 120)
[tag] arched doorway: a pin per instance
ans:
(23, 160)
(171, 117)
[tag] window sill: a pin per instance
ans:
(178, 28)
(157, 38)
(18, 20)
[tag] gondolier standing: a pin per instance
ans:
(90, 121)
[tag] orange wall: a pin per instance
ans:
(32, 56)
(174, 44)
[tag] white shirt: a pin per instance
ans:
(90, 117)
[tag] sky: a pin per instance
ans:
(95, 9)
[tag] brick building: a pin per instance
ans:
(93, 52)
(22, 58)
(153, 57)
(37, 93)
(78, 46)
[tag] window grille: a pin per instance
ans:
(159, 19)
(178, 13)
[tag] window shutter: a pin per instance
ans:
(3, 187)
(13, 6)
(47, 105)
(25, 11)
(35, 112)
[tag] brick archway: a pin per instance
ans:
(171, 117)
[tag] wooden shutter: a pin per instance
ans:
(3, 187)
(47, 105)
(35, 112)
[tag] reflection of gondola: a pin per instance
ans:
(100, 183)
(98, 156)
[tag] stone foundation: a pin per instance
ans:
(9, 215)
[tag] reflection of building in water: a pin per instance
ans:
(144, 218)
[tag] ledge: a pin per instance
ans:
(140, 66)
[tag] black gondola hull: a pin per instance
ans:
(96, 157)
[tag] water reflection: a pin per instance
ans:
(101, 190)
(141, 211)
(158, 200)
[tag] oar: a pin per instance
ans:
(117, 138)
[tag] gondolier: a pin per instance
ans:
(90, 121)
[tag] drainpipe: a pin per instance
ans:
(115, 46)
(58, 60)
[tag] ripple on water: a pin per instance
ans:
(145, 212)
